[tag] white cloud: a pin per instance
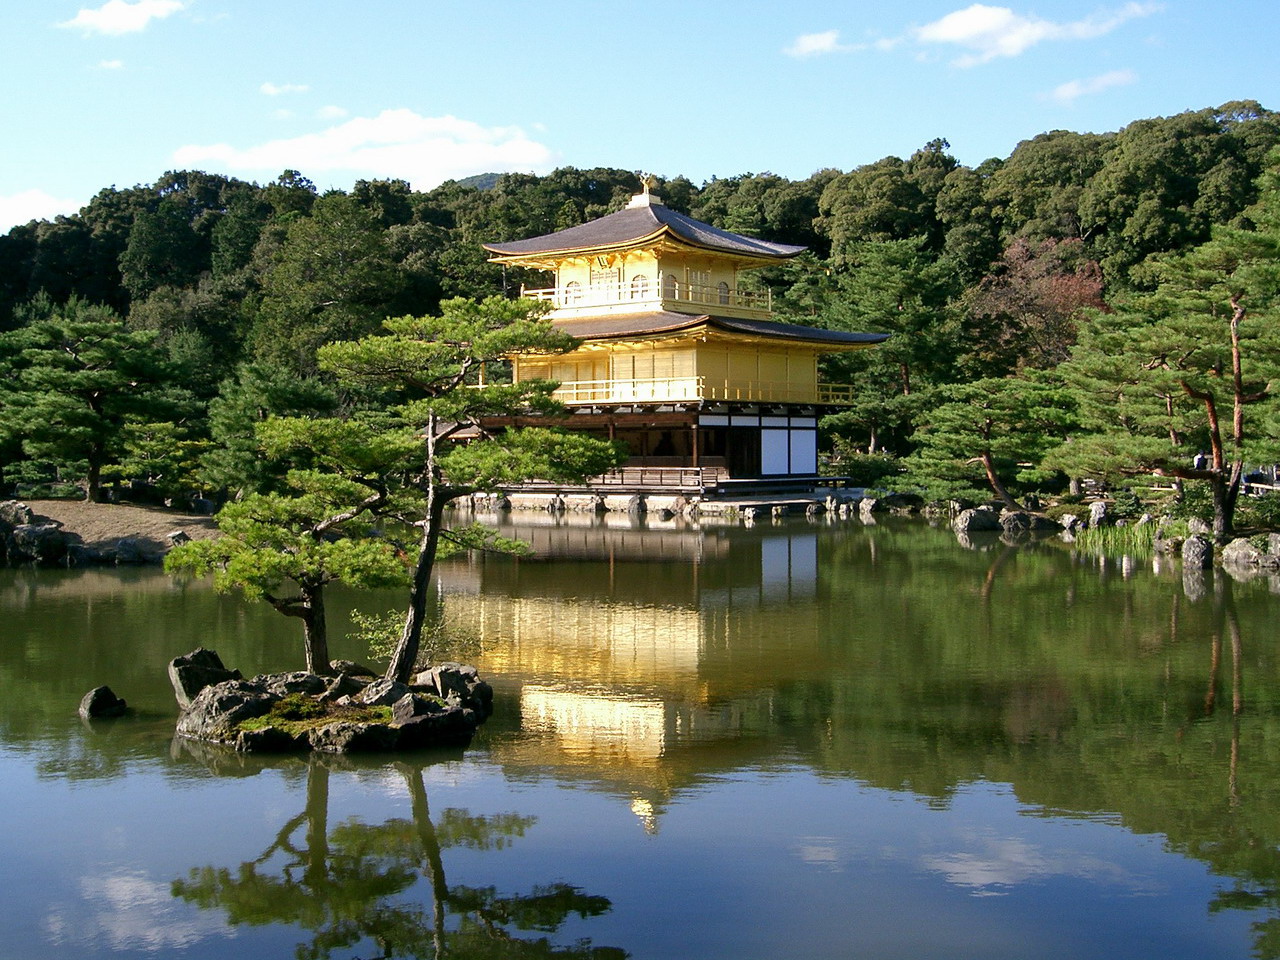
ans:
(20, 208)
(110, 64)
(331, 112)
(399, 143)
(119, 16)
(278, 89)
(991, 32)
(1067, 93)
(817, 44)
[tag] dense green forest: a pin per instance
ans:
(1093, 305)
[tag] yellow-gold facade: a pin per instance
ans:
(677, 355)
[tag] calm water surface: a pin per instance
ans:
(793, 740)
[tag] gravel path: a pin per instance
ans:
(97, 523)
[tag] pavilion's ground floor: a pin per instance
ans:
(698, 447)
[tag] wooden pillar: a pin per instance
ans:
(694, 428)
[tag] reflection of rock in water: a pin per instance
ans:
(1195, 582)
(981, 541)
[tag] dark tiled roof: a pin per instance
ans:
(664, 321)
(638, 223)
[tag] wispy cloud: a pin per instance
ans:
(991, 32)
(424, 150)
(280, 89)
(817, 44)
(110, 64)
(1068, 93)
(117, 17)
(20, 208)
(331, 112)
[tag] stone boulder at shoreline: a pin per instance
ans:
(976, 520)
(194, 671)
(1197, 552)
(349, 712)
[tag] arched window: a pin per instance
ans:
(640, 288)
(670, 286)
(723, 289)
(572, 291)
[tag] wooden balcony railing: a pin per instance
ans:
(653, 296)
(690, 389)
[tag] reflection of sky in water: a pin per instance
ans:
(977, 851)
(646, 738)
(771, 860)
(130, 911)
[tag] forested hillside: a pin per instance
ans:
(197, 302)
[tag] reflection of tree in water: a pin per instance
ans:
(1238, 850)
(344, 885)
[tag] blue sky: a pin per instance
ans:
(116, 92)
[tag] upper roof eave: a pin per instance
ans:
(636, 226)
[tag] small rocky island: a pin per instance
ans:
(351, 711)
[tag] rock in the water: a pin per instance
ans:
(37, 542)
(101, 702)
(1197, 552)
(460, 683)
(196, 670)
(283, 684)
(353, 737)
(451, 727)
(1015, 521)
(131, 550)
(332, 721)
(15, 513)
(1241, 552)
(350, 668)
(381, 693)
(976, 520)
(343, 685)
(217, 710)
(410, 706)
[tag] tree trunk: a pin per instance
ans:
(1226, 490)
(996, 485)
(406, 653)
(93, 483)
(315, 633)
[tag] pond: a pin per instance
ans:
(800, 739)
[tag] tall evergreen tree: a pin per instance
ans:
(73, 379)
(1179, 382)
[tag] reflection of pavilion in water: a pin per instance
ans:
(642, 639)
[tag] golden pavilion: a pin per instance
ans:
(676, 357)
